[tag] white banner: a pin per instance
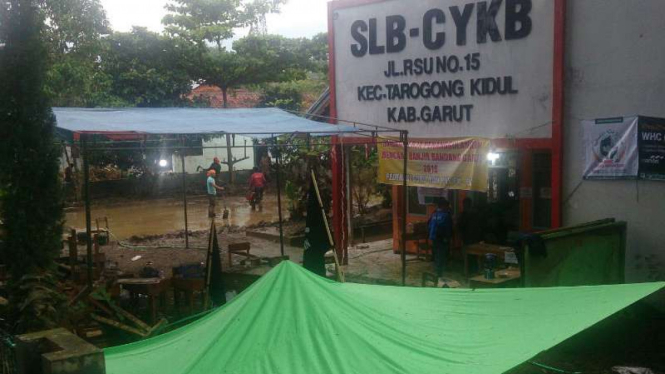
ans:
(611, 148)
(447, 68)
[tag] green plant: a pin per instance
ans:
(298, 157)
(363, 176)
(282, 95)
(32, 209)
(37, 303)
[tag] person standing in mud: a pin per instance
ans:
(70, 188)
(257, 183)
(212, 188)
(217, 167)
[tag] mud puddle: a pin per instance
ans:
(155, 217)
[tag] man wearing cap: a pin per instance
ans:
(217, 167)
(212, 188)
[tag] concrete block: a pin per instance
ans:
(57, 351)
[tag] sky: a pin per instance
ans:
(298, 18)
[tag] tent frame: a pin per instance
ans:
(85, 138)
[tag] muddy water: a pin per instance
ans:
(154, 217)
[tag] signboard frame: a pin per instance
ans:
(558, 90)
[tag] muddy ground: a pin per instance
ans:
(129, 218)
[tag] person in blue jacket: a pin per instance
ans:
(440, 227)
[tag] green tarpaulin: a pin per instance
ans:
(292, 321)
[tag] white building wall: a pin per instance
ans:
(193, 162)
(615, 66)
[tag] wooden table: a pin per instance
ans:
(502, 279)
(481, 249)
(422, 244)
(153, 288)
(188, 286)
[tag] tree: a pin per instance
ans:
(31, 205)
(225, 69)
(275, 58)
(282, 95)
(214, 21)
(74, 25)
(317, 50)
(73, 34)
(255, 60)
(148, 69)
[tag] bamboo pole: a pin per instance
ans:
(340, 273)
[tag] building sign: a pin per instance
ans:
(446, 68)
(439, 163)
(651, 139)
(611, 148)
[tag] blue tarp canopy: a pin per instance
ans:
(254, 122)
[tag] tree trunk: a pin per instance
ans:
(224, 97)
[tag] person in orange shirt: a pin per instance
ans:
(257, 183)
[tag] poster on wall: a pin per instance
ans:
(611, 148)
(459, 163)
(428, 195)
(651, 139)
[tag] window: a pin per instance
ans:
(414, 207)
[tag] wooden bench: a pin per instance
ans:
(241, 248)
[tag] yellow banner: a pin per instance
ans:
(455, 163)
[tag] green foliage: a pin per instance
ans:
(148, 69)
(37, 303)
(214, 21)
(74, 26)
(292, 95)
(363, 176)
(282, 95)
(31, 207)
(317, 50)
(298, 158)
(77, 82)
(73, 35)
(90, 66)
(257, 60)
(225, 70)
(274, 58)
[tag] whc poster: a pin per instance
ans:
(651, 140)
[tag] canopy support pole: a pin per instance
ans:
(405, 196)
(279, 199)
(184, 195)
(349, 197)
(86, 198)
